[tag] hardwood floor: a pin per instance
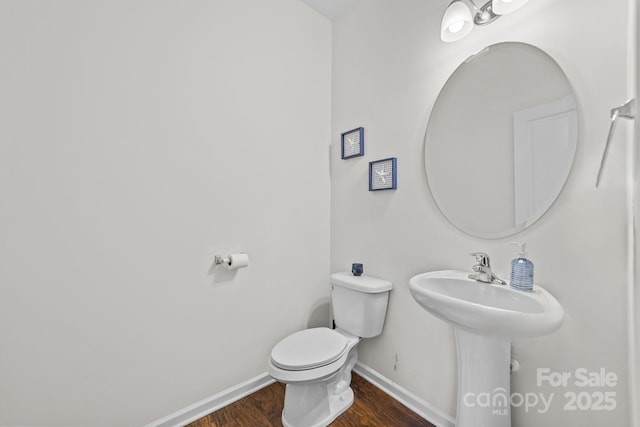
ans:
(371, 408)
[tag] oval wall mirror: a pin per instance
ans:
(501, 140)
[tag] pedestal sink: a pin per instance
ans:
(486, 317)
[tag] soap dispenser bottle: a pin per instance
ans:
(521, 271)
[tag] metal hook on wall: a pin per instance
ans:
(626, 111)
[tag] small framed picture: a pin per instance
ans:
(353, 143)
(383, 174)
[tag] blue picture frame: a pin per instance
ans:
(380, 182)
(349, 153)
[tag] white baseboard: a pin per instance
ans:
(207, 406)
(213, 403)
(419, 406)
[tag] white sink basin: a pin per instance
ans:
(487, 309)
(486, 318)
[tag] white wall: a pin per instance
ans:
(389, 65)
(138, 139)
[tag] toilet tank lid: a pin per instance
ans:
(363, 283)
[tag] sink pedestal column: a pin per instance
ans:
(484, 391)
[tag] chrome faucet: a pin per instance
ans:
(483, 271)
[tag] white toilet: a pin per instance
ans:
(316, 364)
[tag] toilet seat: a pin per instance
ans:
(309, 349)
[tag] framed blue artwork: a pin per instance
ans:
(353, 143)
(383, 174)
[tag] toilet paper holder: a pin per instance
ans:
(219, 260)
(232, 261)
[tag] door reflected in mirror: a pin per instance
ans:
(501, 140)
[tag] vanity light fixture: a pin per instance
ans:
(460, 16)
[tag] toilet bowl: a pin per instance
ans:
(316, 364)
(317, 383)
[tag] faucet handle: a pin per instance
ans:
(482, 258)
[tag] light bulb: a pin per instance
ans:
(456, 26)
(457, 21)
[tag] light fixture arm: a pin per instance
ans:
(484, 14)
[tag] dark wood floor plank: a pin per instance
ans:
(262, 408)
(371, 408)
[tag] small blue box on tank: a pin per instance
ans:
(357, 269)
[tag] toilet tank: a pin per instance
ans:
(359, 303)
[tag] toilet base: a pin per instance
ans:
(320, 416)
